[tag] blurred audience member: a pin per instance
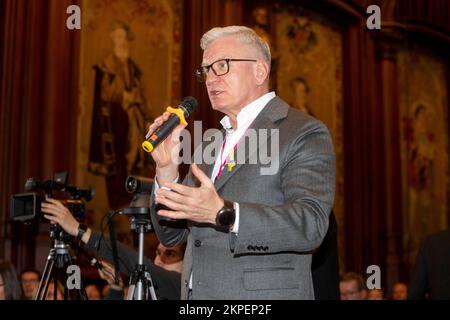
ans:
(352, 287)
(10, 288)
(375, 294)
(105, 290)
(399, 291)
(51, 291)
(170, 258)
(431, 276)
(30, 279)
(92, 292)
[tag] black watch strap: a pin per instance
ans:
(81, 231)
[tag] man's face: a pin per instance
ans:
(30, 284)
(349, 291)
(231, 92)
(169, 258)
(400, 292)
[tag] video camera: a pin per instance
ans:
(27, 206)
(135, 184)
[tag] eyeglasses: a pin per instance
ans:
(220, 67)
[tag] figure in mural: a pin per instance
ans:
(300, 89)
(422, 151)
(421, 154)
(301, 33)
(119, 118)
(261, 25)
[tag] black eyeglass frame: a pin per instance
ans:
(202, 72)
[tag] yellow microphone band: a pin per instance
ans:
(147, 146)
(179, 113)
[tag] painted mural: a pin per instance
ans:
(424, 146)
(130, 71)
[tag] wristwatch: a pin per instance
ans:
(226, 216)
(81, 230)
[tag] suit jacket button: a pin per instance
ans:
(197, 243)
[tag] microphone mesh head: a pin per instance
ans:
(190, 104)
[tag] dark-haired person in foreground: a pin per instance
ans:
(10, 288)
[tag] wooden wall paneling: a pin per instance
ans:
(387, 77)
(12, 69)
(448, 125)
(60, 105)
(374, 176)
(199, 17)
(364, 197)
(353, 141)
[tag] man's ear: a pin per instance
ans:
(261, 71)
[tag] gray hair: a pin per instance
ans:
(244, 34)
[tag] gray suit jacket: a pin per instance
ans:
(283, 216)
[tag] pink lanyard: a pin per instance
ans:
(222, 165)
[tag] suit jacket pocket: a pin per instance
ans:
(271, 278)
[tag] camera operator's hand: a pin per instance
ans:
(107, 272)
(58, 213)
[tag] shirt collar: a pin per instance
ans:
(248, 113)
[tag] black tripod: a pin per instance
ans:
(56, 269)
(141, 284)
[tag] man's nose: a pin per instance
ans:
(211, 77)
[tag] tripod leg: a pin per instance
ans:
(81, 292)
(150, 290)
(131, 290)
(45, 280)
(55, 288)
(134, 280)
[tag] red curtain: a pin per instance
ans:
(38, 92)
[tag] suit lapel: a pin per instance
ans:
(216, 144)
(275, 110)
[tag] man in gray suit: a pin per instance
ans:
(250, 234)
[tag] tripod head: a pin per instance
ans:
(139, 218)
(59, 235)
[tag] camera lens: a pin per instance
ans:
(138, 184)
(131, 184)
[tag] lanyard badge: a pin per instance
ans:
(231, 162)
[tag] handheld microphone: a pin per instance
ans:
(178, 115)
